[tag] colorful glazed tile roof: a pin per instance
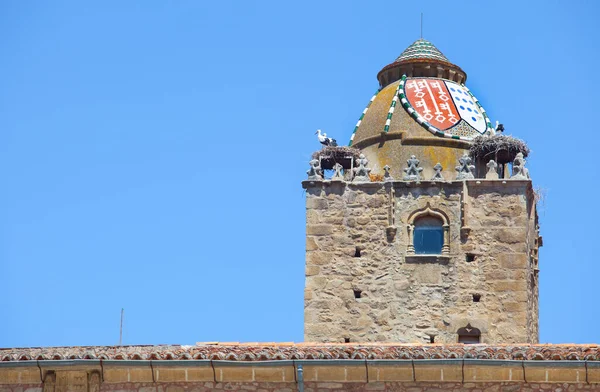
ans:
(308, 351)
(422, 49)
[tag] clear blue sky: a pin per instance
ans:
(151, 154)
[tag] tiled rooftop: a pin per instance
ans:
(308, 351)
(422, 49)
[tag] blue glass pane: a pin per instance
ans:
(428, 239)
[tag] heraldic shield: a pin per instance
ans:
(444, 108)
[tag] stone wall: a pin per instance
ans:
(287, 367)
(326, 386)
(362, 283)
(309, 376)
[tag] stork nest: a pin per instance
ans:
(501, 148)
(330, 155)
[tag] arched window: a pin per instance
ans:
(428, 235)
(428, 232)
(469, 335)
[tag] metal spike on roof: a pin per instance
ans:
(422, 49)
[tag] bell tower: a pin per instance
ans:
(418, 232)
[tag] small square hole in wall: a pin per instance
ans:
(346, 340)
(357, 293)
(357, 252)
(476, 297)
(470, 257)
(431, 338)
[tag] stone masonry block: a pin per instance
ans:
(319, 229)
(334, 220)
(233, 373)
(391, 372)
(593, 372)
(356, 373)
(515, 306)
(200, 373)
(508, 285)
(317, 203)
(496, 275)
(318, 258)
(499, 372)
(510, 235)
(513, 260)
(20, 375)
(567, 374)
(116, 374)
(337, 373)
(311, 244)
(432, 372)
(559, 372)
(312, 270)
(520, 296)
(283, 373)
(119, 374)
(140, 374)
(170, 374)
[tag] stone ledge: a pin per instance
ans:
(410, 140)
(427, 259)
(472, 183)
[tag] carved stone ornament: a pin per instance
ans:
(94, 382)
(413, 171)
(361, 173)
(337, 174)
(465, 168)
(314, 173)
(519, 171)
(49, 382)
(492, 172)
(387, 176)
(437, 176)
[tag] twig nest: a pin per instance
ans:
(330, 155)
(501, 148)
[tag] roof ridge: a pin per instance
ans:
(422, 49)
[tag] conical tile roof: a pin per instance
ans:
(421, 59)
(422, 49)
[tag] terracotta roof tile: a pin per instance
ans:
(306, 351)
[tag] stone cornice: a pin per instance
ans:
(477, 182)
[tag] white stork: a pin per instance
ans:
(324, 140)
(499, 127)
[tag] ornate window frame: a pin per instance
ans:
(468, 335)
(436, 213)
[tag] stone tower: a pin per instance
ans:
(422, 234)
